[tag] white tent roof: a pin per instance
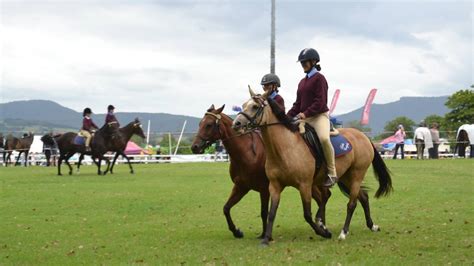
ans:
(470, 132)
(37, 145)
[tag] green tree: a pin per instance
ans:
(392, 126)
(461, 104)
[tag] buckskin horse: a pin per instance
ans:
(290, 163)
(118, 142)
(247, 161)
(22, 145)
(67, 147)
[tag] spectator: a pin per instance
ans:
(433, 152)
(422, 140)
(400, 142)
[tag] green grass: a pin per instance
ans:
(172, 214)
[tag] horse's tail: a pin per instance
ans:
(382, 174)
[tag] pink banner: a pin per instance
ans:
(368, 103)
(391, 139)
(334, 101)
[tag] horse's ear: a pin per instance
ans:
(212, 108)
(137, 120)
(220, 109)
(252, 93)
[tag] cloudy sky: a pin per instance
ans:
(181, 56)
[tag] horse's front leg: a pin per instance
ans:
(264, 199)
(235, 196)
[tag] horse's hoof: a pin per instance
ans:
(261, 236)
(238, 233)
(70, 173)
(132, 172)
(375, 228)
(60, 174)
(265, 243)
(343, 235)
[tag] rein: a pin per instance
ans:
(253, 124)
(217, 127)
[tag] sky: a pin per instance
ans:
(180, 57)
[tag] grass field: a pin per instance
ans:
(172, 214)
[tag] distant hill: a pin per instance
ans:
(415, 108)
(43, 115)
(40, 114)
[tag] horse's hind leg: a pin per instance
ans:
(235, 196)
(66, 160)
(81, 157)
(364, 201)
(354, 193)
(321, 196)
(306, 196)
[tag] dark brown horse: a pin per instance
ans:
(67, 147)
(247, 161)
(22, 145)
(118, 142)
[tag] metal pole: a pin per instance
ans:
(169, 139)
(148, 134)
(272, 44)
(180, 136)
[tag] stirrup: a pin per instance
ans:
(330, 181)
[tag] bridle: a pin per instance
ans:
(253, 124)
(216, 127)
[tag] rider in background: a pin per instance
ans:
(88, 127)
(110, 117)
(271, 82)
(311, 106)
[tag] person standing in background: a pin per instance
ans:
(422, 140)
(433, 152)
(400, 142)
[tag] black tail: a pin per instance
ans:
(382, 174)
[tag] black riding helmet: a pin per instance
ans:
(270, 79)
(110, 107)
(308, 54)
(87, 110)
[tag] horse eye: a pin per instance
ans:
(255, 107)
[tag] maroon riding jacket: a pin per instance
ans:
(311, 97)
(111, 118)
(278, 99)
(88, 124)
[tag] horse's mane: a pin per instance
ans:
(281, 116)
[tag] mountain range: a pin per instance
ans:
(45, 115)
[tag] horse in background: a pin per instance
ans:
(291, 163)
(67, 147)
(22, 145)
(118, 143)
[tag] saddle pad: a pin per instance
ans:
(79, 140)
(341, 145)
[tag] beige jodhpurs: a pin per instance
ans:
(88, 136)
(321, 125)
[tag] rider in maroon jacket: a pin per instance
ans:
(271, 82)
(88, 127)
(110, 117)
(311, 106)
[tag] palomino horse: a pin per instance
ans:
(290, 163)
(247, 161)
(21, 145)
(67, 147)
(118, 143)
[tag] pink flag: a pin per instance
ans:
(334, 100)
(368, 103)
(391, 139)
